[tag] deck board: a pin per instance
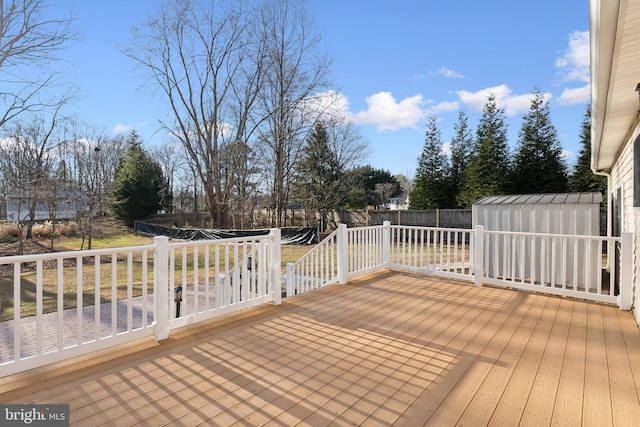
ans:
(570, 396)
(596, 406)
(393, 348)
(540, 405)
(502, 354)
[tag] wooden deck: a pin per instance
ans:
(391, 349)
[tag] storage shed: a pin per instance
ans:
(533, 258)
(557, 213)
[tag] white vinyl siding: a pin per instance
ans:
(622, 176)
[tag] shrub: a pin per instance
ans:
(9, 229)
(62, 229)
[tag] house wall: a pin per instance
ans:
(622, 178)
(65, 209)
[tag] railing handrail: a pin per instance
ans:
(554, 235)
(189, 243)
(418, 227)
(73, 254)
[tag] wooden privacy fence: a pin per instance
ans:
(449, 218)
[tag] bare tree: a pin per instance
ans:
(346, 141)
(29, 43)
(170, 157)
(27, 162)
(90, 160)
(297, 69)
(384, 192)
(203, 59)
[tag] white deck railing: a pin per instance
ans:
(584, 267)
(560, 264)
(73, 303)
(442, 251)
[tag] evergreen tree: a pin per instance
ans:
(363, 182)
(320, 185)
(431, 189)
(461, 145)
(139, 185)
(488, 168)
(583, 178)
(538, 164)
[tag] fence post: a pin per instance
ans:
(342, 247)
(276, 273)
(478, 256)
(626, 272)
(386, 243)
(161, 287)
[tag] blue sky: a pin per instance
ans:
(395, 63)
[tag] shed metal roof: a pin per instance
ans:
(532, 199)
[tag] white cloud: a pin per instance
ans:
(573, 67)
(566, 154)
(512, 104)
(448, 73)
(330, 105)
(574, 62)
(384, 111)
(118, 129)
(579, 95)
(444, 107)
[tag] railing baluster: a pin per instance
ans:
(564, 263)
(172, 283)
(184, 306)
(598, 258)
(576, 252)
(129, 291)
(196, 282)
(17, 327)
(114, 294)
(79, 305)
(588, 267)
(207, 279)
(39, 307)
(145, 259)
(533, 264)
(60, 301)
(96, 296)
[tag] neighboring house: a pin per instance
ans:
(399, 202)
(615, 113)
(68, 204)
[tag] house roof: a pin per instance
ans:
(550, 198)
(402, 196)
(615, 74)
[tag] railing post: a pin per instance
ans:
(342, 246)
(478, 256)
(276, 273)
(161, 287)
(386, 243)
(626, 272)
